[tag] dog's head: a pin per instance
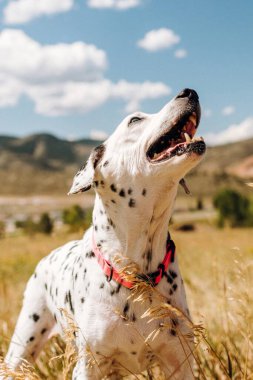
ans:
(159, 148)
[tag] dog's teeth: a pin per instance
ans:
(187, 137)
(197, 139)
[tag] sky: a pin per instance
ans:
(76, 68)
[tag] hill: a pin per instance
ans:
(45, 164)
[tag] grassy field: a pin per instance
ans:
(217, 266)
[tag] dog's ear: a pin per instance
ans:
(84, 178)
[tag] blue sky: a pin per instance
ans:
(75, 68)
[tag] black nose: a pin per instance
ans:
(188, 93)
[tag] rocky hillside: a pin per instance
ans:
(45, 164)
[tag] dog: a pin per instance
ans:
(135, 174)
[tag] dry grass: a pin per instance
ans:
(217, 267)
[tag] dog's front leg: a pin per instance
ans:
(33, 326)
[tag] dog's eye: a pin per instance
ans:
(134, 119)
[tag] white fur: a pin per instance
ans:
(96, 305)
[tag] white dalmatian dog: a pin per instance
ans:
(135, 174)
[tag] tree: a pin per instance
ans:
(233, 207)
(45, 224)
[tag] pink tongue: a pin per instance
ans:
(190, 129)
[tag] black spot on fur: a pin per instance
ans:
(118, 288)
(149, 256)
(113, 201)
(43, 331)
(98, 154)
(131, 202)
(169, 279)
(96, 228)
(133, 352)
(82, 300)
(173, 332)
(174, 286)
(122, 193)
(126, 308)
(46, 286)
(133, 317)
(90, 254)
(113, 188)
(129, 192)
(70, 302)
(105, 163)
(35, 317)
(174, 322)
(76, 275)
(102, 285)
(144, 192)
(96, 183)
(31, 338)
(112, 292)
(173, 274)
(111, 222)
(81, 169)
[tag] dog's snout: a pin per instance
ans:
(188, 93)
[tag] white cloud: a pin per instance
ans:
(114, 4)
(22, 11)
(134, 93)
(229, 110)
(27, 60)
(158, 39)
(233, 133)
(68, 97)
(63, 78)
(98, 135)
(10, 91)
(180, 53)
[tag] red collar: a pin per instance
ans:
(152, 278)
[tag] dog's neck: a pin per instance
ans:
(138, 232)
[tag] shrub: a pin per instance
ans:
(45, 224)
(233, 207)
(28, 226)
(74, 217)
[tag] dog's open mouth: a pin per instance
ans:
(179, 140)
